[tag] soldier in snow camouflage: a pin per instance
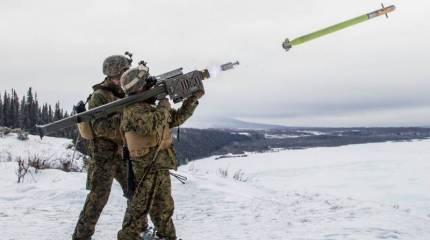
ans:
(108, 164)
(147, 131)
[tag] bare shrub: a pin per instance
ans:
(22, 135)
(37, 163)
(68, 166)
(222, 172)
(239, 175)
(5, 131)
(9, 157)
(192, 168)
(65, 164)
(23, 170)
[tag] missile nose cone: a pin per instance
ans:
(286, 44)
(228, 66)
(382, 11)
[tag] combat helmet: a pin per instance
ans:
(114, 65)
(135, 79)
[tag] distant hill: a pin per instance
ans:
(200, 143)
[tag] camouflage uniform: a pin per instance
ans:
(89, 167)
(108, 163)
(153, 192)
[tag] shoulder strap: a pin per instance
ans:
(123, 137)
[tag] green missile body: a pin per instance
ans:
(383, 11)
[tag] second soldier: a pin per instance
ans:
(146, 127)
(107, 143)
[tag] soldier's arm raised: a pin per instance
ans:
(178, 117)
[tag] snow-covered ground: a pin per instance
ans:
(281, 136)
(294, 135)
(369, 191)
(52, 149)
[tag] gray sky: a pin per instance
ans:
(374, 74)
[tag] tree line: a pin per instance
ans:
(26, 112)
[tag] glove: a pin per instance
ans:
(197, 95)
(164, 103)
(151, 81)
(80, 107)
(194, 98)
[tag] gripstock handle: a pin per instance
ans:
(185, 85)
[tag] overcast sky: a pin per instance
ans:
(373, 74)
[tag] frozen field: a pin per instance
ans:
(369, 191)
(396, 174)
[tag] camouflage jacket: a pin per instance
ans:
(147, 120)
(106, 128)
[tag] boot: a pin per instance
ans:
(148, 234)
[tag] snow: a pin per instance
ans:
(281, 136)
(368, 191)
(315, 133)
(55, 150)
(391, 173)
(244, 133)
(301, 134)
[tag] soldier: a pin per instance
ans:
(108, 164)
(146, 127)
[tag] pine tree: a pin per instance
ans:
(23, 119)
(10, 111)
(5, 109)
(14, 109)
(31, 110)
(26, 113)
(1, 112)
(50, 114)
(36, 110)
(57, 112)
(44, 117)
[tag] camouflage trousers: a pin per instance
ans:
(154, 196)
(89, 165)
(108, 165)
